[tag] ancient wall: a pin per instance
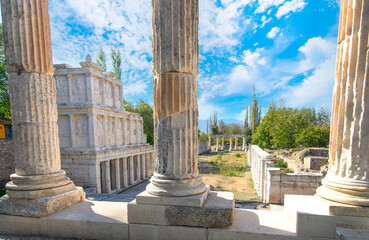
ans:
(271, 184)
(278, 184)
(203, 147)
(6, 159)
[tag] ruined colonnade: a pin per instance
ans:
(231, 146)
(117, 174)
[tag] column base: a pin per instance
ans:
(41, 207)
(176, 188)
(216, 212)
(345, 190)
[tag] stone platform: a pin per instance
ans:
(217, 210)
(108, 220)
(313, 217)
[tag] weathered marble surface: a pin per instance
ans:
(175, 59)
(347, 180)
(97, 136)
(39, 187)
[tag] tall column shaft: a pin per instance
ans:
(32, 93)
(230, 144)
(347, 180)
(175, 60)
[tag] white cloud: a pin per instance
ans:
(273, 32)
(316, 51)
(82, 27)
(266, 4)
(219, 26)
(253, 58)
(316, 89)
(264, 21)
(291, 6)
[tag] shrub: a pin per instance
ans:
(238, 155)
(306, 152)
(280, 164)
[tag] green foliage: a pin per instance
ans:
(230, 169)
(2, 193)
(290, 128)
(146, 111)
(255, 113)
(4, 88)
(238, 155)
(214, 130)
(203, 137)
(280, 164)
(226, 151)
(101, 59)
(116, 59)
(306, 152)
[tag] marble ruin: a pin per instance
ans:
(39, 187)
(232, 147)
(102, 145)
(176, 186)
(347, 180)
(176, 204)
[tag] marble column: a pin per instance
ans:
(175, 60)
(243, 143)
(117, 175)
(143, 166)
(230, 144)
(347, 180)
(217, 148)
(222, 143)
(209, 143)
(107, 182)
(131, 171)
(148, 165)
(138, 169)
(38, 178)
(125, 173)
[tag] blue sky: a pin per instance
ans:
(285, 48)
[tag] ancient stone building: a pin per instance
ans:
(102, 145)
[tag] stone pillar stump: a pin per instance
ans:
(39, 187)
(347, 180)
(176, 192)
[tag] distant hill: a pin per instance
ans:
(202, 123)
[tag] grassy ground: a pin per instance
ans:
(228, 171)
(2, 192)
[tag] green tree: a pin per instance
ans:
(214, 130)
(146, 111)
(255, 113)
(116, 59)
(289, 128)
(4, 88)
(101, 59)
(247, 117)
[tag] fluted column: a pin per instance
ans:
(131, 171)
(347, 180)
(243, 143)
(143, 166)
(175, 60)
(230, 144)
(217, 148)
(32, 94)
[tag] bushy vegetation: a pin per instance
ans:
(146, 111)
(292, 127)
(230, 168)
(280, 164)
(4, 89)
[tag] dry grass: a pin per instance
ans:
(227, 172)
